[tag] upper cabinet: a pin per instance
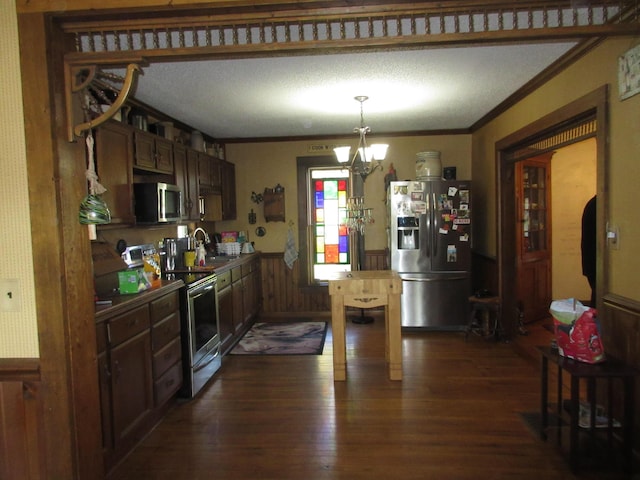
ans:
(114, 153)
(186, 167)
(152, 153)
(209, 177)
(228, 182)
(126, 154)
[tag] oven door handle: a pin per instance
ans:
(204, 291)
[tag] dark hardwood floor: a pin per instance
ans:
(455, 415)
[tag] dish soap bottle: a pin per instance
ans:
(201, 254)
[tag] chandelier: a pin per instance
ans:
(367, 154)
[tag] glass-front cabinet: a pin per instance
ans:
(533, 236)
(534, 208)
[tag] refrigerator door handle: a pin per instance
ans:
(409, 278)
(425, 231)
(435, 233)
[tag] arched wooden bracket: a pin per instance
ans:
(90, 82)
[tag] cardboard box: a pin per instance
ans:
(132, 281)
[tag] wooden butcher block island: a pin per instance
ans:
(366, 289)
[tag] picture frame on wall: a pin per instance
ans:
(629, 73)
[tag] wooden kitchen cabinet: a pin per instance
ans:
(131, 388)
(209, 173)
(113, 156)
(225, 311)
(152, 153)
(228, 187)
(140, 370)
(237, 290)
(186, 177)
(533, 236)
(246, 291)
(123, 151)
(128, 357)
(251, 289)
(166, 347)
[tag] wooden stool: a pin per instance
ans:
(486, 305)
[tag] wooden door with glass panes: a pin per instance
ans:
(533, 237)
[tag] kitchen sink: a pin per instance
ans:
(220, 260)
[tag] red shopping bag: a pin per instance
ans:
(577, 331)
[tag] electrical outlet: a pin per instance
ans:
(9, 295)
(613, 236)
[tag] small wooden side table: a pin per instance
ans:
(366, 289)
(607, 371)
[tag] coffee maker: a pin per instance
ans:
(173, 252)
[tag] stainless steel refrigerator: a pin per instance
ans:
(430, 247)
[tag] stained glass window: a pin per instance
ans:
(329, 191)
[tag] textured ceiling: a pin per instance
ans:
(414, 90)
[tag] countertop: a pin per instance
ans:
(121, 303)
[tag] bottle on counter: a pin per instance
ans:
(201, 255)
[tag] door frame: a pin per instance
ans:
(595, 102)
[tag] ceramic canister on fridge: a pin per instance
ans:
(197, 141)
(428, 165)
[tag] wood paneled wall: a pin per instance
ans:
(282, 295)
(21, 420)
(620, 326)
(484, 273)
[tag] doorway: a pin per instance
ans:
(551, 192)
(586, 118)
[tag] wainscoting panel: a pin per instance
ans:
(20, 420)
(282, 295)
(620, 325)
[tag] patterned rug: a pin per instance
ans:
(283, 338)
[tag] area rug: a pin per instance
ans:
(283, 338)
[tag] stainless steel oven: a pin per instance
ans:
(201, 332)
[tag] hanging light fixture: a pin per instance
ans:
(367, 154)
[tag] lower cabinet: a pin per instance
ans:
(139, 361)
(225, 311)
(239, 300)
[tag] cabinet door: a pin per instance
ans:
(225, 310)
(228, 187)
(193, 189)
(252, 290)
(104, 377)
(163, 155)
(114, 157)
(180, 176)
(238, 304)
(533, 236)
(131, 387)
(204, 171)
(215, 174)
(144, 150)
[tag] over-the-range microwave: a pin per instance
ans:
(157, 202)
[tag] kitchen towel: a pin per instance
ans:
(290, 250)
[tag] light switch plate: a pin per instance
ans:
(10, 300)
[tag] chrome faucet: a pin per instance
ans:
(205, 234)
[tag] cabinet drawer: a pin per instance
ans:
(166, 357)
(163, 306)
(128, 324)
(247, 268)
(165, 331)
(168, 384)
(224, 280)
